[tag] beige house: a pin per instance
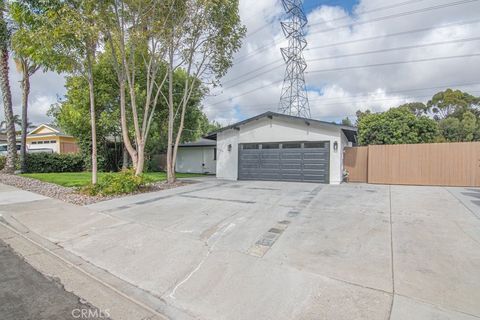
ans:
(51, 139)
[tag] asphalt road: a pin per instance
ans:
(27, 294)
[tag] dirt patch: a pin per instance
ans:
(71, 195)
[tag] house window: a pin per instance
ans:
(291, 146)
(270, 146)
(40, 142)
(313, 145)
(34, 142)
(53, 141)
(214, 154)
(251, 146)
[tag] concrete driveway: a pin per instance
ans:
(273, 250)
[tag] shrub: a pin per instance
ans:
(117, 183)
(3, 159)
(54, 162)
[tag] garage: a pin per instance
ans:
(280, 147)
(285, 161)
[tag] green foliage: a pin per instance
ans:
(451, 103)
(453, 129)
(3, 160)
(54, 162)
(117, 183)
(396, 126)
(347, 122)
(417, 108)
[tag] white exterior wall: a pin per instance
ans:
(196, 160)
(277, 130)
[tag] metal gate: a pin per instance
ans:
(285, 161)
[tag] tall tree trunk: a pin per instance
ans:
(170, 168)
(92, 119)
(7, 105)
(125, 158)
(140, 159)
(25, 94)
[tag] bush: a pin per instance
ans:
(3, 160)
(54, 162)
(117, 183)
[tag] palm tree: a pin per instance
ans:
(6, 92)
(27, 68)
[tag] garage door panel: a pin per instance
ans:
(290, 164)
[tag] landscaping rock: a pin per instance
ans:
(72, 195)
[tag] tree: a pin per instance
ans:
(6, 92)
(396, 126)
(201, 37)
(135, 29)
(454, 130)
(347, 122)
(62, 36)
(417, 108)
(451, 103)
(27, 68)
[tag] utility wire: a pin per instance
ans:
(367, 39)
(396, 63)
(344, 56)
(402, 14)
(388, 35)
(397, 15)
(358, 67)
(354, 97)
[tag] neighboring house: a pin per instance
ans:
(274, 146)
(51, 139)
(197, 157)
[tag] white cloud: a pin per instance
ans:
(341, 93)
(44, 89)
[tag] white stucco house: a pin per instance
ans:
(197, 157)
(273, 146)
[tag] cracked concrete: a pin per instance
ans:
(340, 252)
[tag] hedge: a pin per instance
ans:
(54, 162)
(3, 160)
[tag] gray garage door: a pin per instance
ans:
(287, 161)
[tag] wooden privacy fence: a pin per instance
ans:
(436, 164)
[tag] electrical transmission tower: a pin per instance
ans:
(294, 99)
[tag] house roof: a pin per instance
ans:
(55, 131)
(202, 142)
(350, 132)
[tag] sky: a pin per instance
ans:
(439, 33)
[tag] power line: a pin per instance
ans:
(402, 14)
(354, 97)
(360, 67)
(336, 44)
(341, 18)
(345, 56)
(397, 15)
(432, 44)
(396, 63)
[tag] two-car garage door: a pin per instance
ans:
(287, 161)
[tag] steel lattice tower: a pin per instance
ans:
(294, 99)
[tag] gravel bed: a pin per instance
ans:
(71, 195)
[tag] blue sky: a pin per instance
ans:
(346, 4)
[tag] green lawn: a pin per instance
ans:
(80, 179)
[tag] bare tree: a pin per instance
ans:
(201, 40)
(134, 31)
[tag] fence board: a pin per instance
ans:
(356, 163)
(442, 164)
